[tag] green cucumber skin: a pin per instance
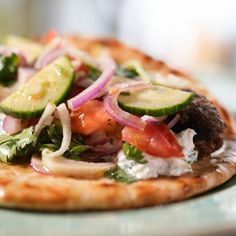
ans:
(38, 111)
(156, 112)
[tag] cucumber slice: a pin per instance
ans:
(156, 101)
(32, 49)
(51, 84)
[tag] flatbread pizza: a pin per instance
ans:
(91, 124)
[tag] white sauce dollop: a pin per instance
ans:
(156, 166)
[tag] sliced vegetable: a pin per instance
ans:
(66, 131)
(49, 110)
(38, 166)
(93, 90)
(152, 119)
(155, 101)
(174, 121)
(111, 104)
(11, 125)
(52, 84)
(8, 69)
(31, 49)
(137, 66)
(156, 140)
(78, 169)
(91, 117)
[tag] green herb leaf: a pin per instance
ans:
(18, 147)
(93, 73)
(120, 175)
(51, 138)
(126, 72)
(132, 153)
(8, 69)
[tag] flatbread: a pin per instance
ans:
(21, 187)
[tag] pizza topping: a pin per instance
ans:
(8, 69)
(120, 175)
(153, 166)
(78, 169)
(112, 107)
(11, 125)
(202, 116)
(119, 121)
(137, 67)
(28, 48)
(51, 84)
(18, 147)
(93, 90)
(66, 130)
(91, 117)
(152, 119)
(155, 101)
(132, 153)
(156, 140)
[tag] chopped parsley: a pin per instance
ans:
(132, 153)
(18, 147)
(120, 175)
(51, 138)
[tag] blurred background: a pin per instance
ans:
(198, 37)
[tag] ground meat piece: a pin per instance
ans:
(202, 116)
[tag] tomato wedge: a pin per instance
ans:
(91, 117)
(156, 140)
(49, 36)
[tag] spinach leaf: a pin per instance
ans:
(8, 69)
(132, 153)
(120, 175)
(18, 147)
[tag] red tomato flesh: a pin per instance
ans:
(156, 140)
(91, 117)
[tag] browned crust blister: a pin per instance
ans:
(21, 187)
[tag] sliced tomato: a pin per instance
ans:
(91, 117)
(156, 140)
(49, 36)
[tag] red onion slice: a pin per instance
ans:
(24, 74)
(66, 131)
(49, 57)
(152, 119)
(174, 121)
(48, 111)
(11, 125)
(93, 90)
(121, 116)
(50, 52)
(108, 148)
(97, 138)
(59, 47)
